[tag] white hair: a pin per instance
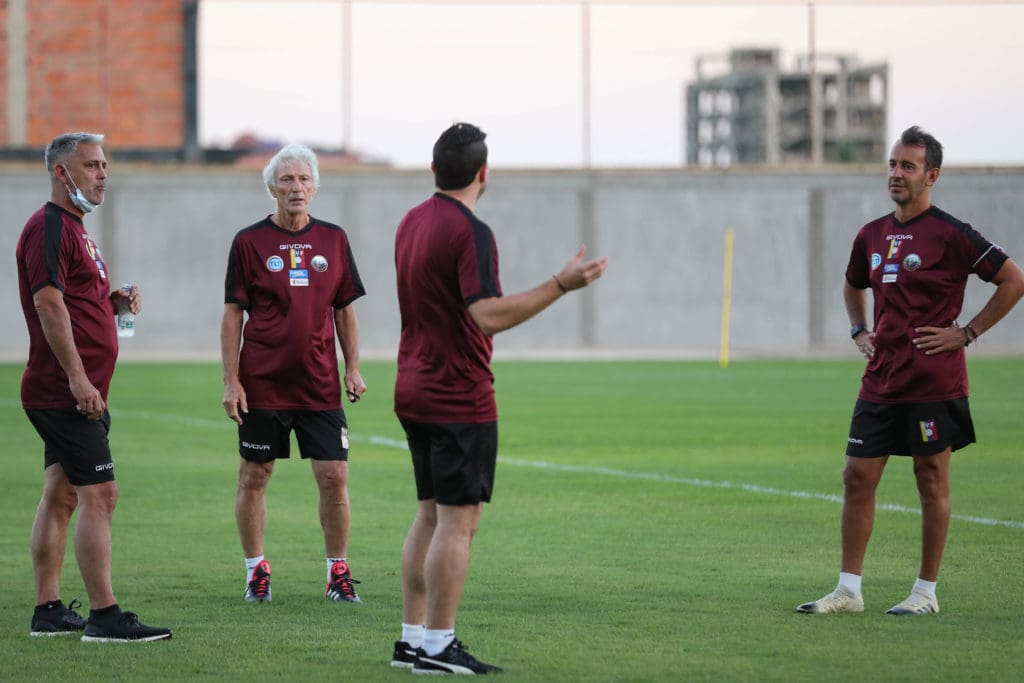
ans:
(293, 152)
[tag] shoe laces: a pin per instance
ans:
(461, 653)
(343, 584)
(260, 583)
(72, 617)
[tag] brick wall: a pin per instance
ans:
(110, 66)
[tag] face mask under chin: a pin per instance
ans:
(80, 202)
(77, 198)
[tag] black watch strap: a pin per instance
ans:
(857, 329)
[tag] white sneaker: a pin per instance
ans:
(917, 603)
(841, 599)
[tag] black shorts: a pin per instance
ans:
(265, 435)
(880, 429)
(78, 444)
(453, 463)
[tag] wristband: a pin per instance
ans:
(560, 285)
(970, 333)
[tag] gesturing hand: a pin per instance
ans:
(578, 273)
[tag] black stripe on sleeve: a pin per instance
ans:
(483, 240)
(984, 249)
(53, 224)
(229, 276)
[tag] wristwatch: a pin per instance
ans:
(857, 329)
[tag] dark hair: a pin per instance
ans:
(917, 136)
(459, 154)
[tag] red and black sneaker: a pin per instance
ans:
(258, 589)
(340, 588)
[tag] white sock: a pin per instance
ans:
(330, 562)
(250, 564)
(413, 634)
(436, 640)
(850, 582)
(925, 587)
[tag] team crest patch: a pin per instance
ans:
(94, 252)
(912, 262)
(275, 263)
(876, 260)
(319, 263)
(894, 247)
(929, 432)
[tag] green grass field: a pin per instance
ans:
(652, 521)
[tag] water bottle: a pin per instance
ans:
(126, 319)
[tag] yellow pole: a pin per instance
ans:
(723, 358)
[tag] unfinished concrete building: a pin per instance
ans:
(745, 109)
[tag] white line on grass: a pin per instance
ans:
(578, 469)
(751, 488)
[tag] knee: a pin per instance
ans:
(100, 497)
(466, 533)
(253, 477)
(931, 481)
(61, 506)
(467, 528)
(335, 480)
(65, 501)
(60, 497)
(332, 480)
(426, 519)
(857, 481)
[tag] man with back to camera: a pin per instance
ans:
(913, 396)
(296, 278)
(451, 305)
(69, 309)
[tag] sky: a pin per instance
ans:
(514, 68)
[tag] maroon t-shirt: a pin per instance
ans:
(290, 283)
(446, 259)
(917, 272)
(55, 250)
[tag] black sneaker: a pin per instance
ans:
(452, 660)
(258, 589)
(405, 655)
(121, 627)
(57, 620)
(340, 588)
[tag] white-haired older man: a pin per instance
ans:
(294, 277)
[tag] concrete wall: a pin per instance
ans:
(168, 228)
